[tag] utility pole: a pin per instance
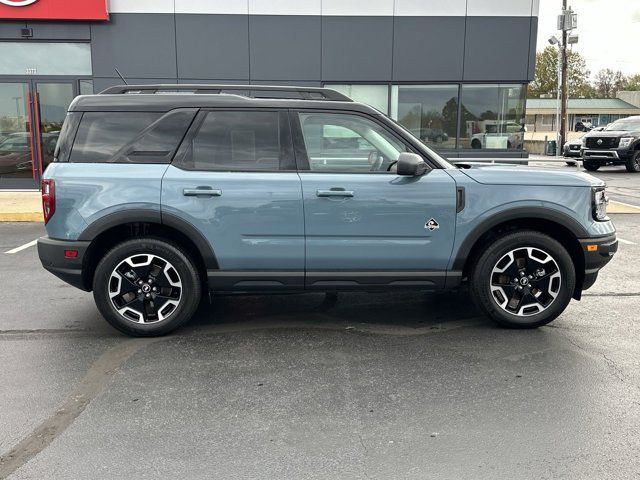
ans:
(567, 21)
(563, 89)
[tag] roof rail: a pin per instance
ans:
(251, 91)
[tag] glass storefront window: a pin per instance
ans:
(430, 112)
(375, 95)
(40, 58)
(16, 160)
(492, 116)
(86, 87)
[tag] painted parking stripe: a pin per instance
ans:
(22, 247)
(626, 242)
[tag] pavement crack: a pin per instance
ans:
(611, 294)
(617, 371)
(94, 381)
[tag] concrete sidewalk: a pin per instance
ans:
(20, 206)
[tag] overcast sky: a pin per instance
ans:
(609, 32)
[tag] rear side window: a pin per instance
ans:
(239, 141)
(130, 137)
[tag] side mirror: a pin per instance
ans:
(411, 164)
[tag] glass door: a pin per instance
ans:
(52, 100)
(31, 116)
(18, 165)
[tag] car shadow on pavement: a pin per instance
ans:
(392, 313)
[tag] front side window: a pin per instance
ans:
(238, 141)
(342, 142)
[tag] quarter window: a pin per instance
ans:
(102, 134)
(337, 142)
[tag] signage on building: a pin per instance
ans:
(54, 9)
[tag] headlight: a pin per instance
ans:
(626, 141)
(599, 204)
(583, 142)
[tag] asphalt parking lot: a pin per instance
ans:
(398, 385)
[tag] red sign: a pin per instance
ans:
(54, 9)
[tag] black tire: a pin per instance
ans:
(177, 312)
(482, 277)
(633, 164)
(570, 164)
(591, 167)
(475, 143)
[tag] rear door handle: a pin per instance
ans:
(202, 192)
(335, 192)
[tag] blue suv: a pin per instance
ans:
(160, 193)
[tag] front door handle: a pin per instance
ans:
(335, 192)
(202, 191)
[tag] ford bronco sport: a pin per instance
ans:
(155, 198)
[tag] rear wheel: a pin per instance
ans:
(633, 164)
(146, 287)
(523, 279)
(592, 167)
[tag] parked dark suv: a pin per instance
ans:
(154, 199)
(618, 144)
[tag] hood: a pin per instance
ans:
(613, 134)
(497, 174)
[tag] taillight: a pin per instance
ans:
(48, 198)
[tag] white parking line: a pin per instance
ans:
(22, 247)
(626, 242)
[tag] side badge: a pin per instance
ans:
(432, 225)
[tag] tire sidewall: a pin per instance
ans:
(480, 278)
(632, 164)
(184, 266)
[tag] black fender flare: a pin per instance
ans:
(149, 215)
(517, 213)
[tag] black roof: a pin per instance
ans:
(162, 98)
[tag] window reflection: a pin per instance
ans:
(40, 58)
(375, 95)
(492, 116)
(430, 112)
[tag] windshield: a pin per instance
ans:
(625, 125)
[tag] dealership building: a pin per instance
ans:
(453, 72)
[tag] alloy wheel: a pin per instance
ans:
(525, 281)
(145, 288)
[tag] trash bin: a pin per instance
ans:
(551, 148)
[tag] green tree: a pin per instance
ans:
(607, 83)
(545, 81)
(632, 83)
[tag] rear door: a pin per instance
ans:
(234, 179)
(365, 225)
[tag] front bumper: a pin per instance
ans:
(597, 253)
(53, 258)
(570, 153)
(604, 156)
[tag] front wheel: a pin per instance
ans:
(146, 287)
(523, 279)
(591, 167)
(633, 164)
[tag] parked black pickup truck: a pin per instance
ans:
(618, 144)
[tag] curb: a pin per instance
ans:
(21, 217)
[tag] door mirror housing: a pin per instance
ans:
(411, 164)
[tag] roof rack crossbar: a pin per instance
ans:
(251, 91)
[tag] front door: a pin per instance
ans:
(364, 224)
(31, 115)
